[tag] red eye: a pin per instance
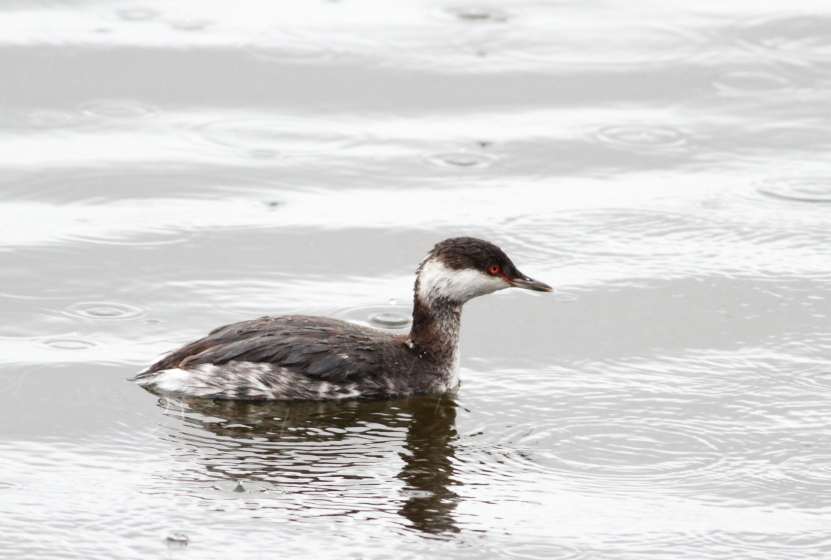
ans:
(494, 269)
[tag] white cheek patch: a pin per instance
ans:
(437, 280)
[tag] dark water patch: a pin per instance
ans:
(407, 493)
(105, 311)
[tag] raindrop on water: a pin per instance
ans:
(105, 310)
(69, 344)
(390, 320)
(461, 159)
(272, 138)
(642, 136)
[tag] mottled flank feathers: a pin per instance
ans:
(294, 357)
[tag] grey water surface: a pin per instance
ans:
(167, 167)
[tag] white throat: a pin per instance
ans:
(435, 280)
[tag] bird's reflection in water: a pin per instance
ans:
(320, 446)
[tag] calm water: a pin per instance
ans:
(169, 167)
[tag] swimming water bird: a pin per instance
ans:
(317, 358)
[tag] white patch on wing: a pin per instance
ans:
(192, 381)
(255, 380)
(437, 280)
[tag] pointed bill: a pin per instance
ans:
(530, 284)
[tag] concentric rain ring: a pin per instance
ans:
(106, 311)
(640, 136)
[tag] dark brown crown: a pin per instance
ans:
(469, 252)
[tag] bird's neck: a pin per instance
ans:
(436, 323)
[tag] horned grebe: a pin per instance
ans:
(317, 358)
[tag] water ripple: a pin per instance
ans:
(71, 344)
(461, 159)
(378, 316)
(274, 136)
(817, 189)
(596, 447)
(792, 33)
(50, 119)
(107, 311)
(390, 320)
(639, 136)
